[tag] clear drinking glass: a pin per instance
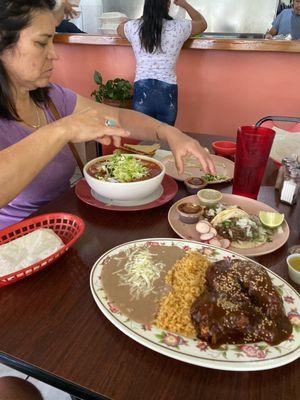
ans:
(252, 152)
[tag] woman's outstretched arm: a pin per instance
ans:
(22, 162)
(143, 127)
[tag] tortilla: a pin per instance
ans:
(236, 213)
(285, 144)
(147, 150)
(28, 249)
(227, 214)
(247, 245)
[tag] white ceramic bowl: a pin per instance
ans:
(293, 273)
(127, 190)
(209, 197)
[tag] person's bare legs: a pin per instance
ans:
(13, 388)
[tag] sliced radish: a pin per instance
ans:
(215, 242)
(206, 236)
(202, 227)
(206, 222)
(225, 243)
(213, 230)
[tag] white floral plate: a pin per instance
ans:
(244, 357)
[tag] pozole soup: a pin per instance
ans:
(124, 168)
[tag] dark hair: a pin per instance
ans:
(16, 15)
(152, 21)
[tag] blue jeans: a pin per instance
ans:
(157, 99)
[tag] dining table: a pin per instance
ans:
(52, 329)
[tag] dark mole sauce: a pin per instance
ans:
(153, 169)
(144, 309)
(240, 305)
(189, 208)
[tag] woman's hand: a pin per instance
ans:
(64, 10)
(69, 10)
(180, 3)
(142, 127)
(268, 36)
(182, 145)
(88, 125)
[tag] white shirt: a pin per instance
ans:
(160, 64)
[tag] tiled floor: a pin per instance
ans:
(48, 392)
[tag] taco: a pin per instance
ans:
(243, 230)
(211, 211)
(228, 214)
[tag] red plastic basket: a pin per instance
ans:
(67, 226)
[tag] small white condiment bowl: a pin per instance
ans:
(127, 190)
(189, 213)
(209, 197)
(293, 273)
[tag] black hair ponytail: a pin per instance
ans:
(155, 11)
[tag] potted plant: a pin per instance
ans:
(116, 92)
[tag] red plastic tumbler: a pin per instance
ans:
(252, 152)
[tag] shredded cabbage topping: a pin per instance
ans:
(123, 168)
(212, 178)
(139, 273)
(211, 211)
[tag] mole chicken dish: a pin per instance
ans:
(239, 305)
(230, 301)
(124, 168)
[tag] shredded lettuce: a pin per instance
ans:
(124, 168)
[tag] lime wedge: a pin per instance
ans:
(271, 219)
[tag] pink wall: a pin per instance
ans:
(218, 90)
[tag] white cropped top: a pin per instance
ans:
(160, 64)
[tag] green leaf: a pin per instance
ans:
(98, 78)
(278, 349)
(117, 89)
(262, 346)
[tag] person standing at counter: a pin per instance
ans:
(287, 22)
(156, 40)
(283, 6)
(36, 163)
(64, 11)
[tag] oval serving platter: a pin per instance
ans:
(243, 357)
(251, 206)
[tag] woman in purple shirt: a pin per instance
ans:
(35, 161)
